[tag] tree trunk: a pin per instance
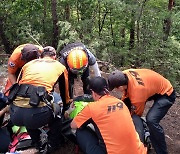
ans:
(112, 31)
(122, 34)
(138, 21)
(167, 21)
(67, 12)
(132, 32)
(77, 10)
(44, 14)
(99, 16)
(55, 27)
(4, 39)
(103, 20)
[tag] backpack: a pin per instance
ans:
(21, 140)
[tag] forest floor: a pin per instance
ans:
(170, 123)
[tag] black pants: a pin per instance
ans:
(34, 118)
(158, 110)
(89, 142)
(162, 104)
(139, 127)
(5, 140)
(84, 78)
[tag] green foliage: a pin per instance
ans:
(86, 8)
(105, 27)
(163, 58)
(26, 34)
(67, 34)
(171, 62)
(176, 25)
(22, 22)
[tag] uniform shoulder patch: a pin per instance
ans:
(11, 64)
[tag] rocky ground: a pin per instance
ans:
(170, 123)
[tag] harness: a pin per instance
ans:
(36, 94)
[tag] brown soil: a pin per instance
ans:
(170, 123)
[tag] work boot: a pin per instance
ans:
(43, 149)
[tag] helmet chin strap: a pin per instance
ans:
(78, 71)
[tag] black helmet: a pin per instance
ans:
(29, 52)
(99, 85)
(116, 79)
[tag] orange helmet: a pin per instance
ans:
(77, 60)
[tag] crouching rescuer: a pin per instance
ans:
(109, 135)
(33, 105)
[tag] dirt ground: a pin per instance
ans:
(170, 123)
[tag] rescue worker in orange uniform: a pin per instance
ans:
(111, 136)
(139, 86)
(33, 106)
(21, 55)
(77, 59)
